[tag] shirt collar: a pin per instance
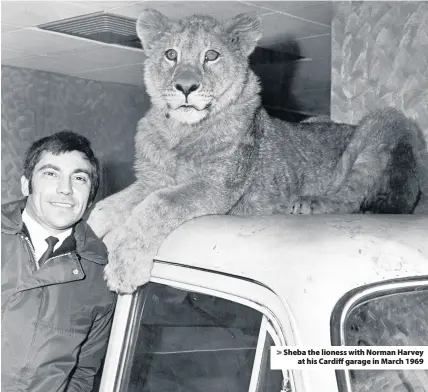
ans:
(88, 245)
(38, 234)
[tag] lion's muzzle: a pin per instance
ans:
(187, 81)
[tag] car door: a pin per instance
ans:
(175, 335)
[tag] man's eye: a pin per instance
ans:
(49, 173)
(171, 54)
(81, 179)
(211, 55)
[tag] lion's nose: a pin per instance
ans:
(186, 88)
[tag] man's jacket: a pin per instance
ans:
(56, 320)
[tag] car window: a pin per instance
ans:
(393, 319)
(185, 341)
(270, 380)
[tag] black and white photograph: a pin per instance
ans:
(214, 196)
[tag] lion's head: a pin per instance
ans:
(196, 66)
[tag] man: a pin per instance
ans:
(56, 308)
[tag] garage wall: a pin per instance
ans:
(36, 104)
(380, 59)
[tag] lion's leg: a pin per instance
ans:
(134, 245)
(112, 211)
(378, 182)
(370, 187)
(381, 177)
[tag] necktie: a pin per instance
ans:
(49, 251)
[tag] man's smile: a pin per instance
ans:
(62, 205)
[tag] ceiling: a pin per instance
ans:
(287, 25)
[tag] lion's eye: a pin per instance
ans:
(171, 54)
(211, 55)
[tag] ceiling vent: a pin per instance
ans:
(99, 26)
(121, 30)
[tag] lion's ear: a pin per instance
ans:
(151, 25)
(244, 30)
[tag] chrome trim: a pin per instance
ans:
(254, 381)
(112, 371)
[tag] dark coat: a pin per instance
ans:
(56, 320)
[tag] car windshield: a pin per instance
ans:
(185, 341)
(396, 319)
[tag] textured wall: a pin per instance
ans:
(379, 59)
(37, 104)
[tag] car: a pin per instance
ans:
(224, 289)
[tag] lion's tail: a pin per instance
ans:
(421, 156)
(367, 131)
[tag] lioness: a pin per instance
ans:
(206, 146)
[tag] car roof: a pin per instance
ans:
(309, 261)
(276, 245)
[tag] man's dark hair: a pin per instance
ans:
(60, 143)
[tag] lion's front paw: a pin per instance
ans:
(129, 265)
(306, 205)
(100, 220)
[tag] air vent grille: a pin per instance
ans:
(99, 26)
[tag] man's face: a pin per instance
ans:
(60, 190)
